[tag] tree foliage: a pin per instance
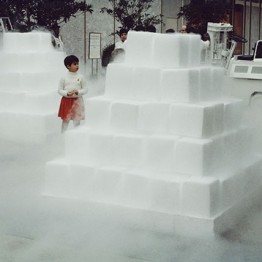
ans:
(199, 12)
(27, 15)
(132, 13)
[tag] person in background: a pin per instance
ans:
(170, 31)
(72, 87)
(123, 36)
(183, 29)
(150, 28)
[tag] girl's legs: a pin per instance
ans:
(76, 123)
(64, 126)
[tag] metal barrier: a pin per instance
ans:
(5, 25)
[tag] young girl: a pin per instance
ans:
(72, 87)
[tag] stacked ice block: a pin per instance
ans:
(162, 141)
(31, 69)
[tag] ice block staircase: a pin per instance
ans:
(162, 143)
(29, 78)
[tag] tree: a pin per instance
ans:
(199, 12)
(26, 15)
(132, 14)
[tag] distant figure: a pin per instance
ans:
(170, 31)
(150, 28)
(72, 87)
(123, 37)
(183, 29)
(56, 38)
(107, 54)
(205, 40)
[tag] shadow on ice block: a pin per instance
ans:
(162, 147)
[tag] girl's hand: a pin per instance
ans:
(70, 93)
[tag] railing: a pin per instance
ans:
(5, 25)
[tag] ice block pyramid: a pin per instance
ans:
(29, 77)
(162, 143)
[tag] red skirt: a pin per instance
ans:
(72, 109)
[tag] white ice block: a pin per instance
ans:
(153, 117)
(13, 61)
(206, 92)
(134, 190)
(184, 46)
(10, 81)
(12, 101)
(100, 146)
(25, 127)
(77, 145)
(97, 112)
(234, 109)
(37, 41)
(39, 82)
(124, 115)
(128, 150)
(196, 120)
(160, 152)
(181, 85)
(107, 184)
(37, 102)
(81, 181)
(165, 196)
(146, 83)
(195, 47)
(195, 157)
(119, 81)
(39, 61)
(218, 81)
(167, 50)
(200, 197)
(139, 48)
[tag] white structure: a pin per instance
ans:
(219, 51)
(163, 143)
(247, 66)
(28, 86)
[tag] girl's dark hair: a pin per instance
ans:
(69, 60)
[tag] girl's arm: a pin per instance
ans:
(83, 89)
(61, 89)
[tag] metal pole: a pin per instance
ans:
(244, 25)
(85, 36)
(233, 13)
(114, 22)
(259, 20)
(250, 26)
(161, 11)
